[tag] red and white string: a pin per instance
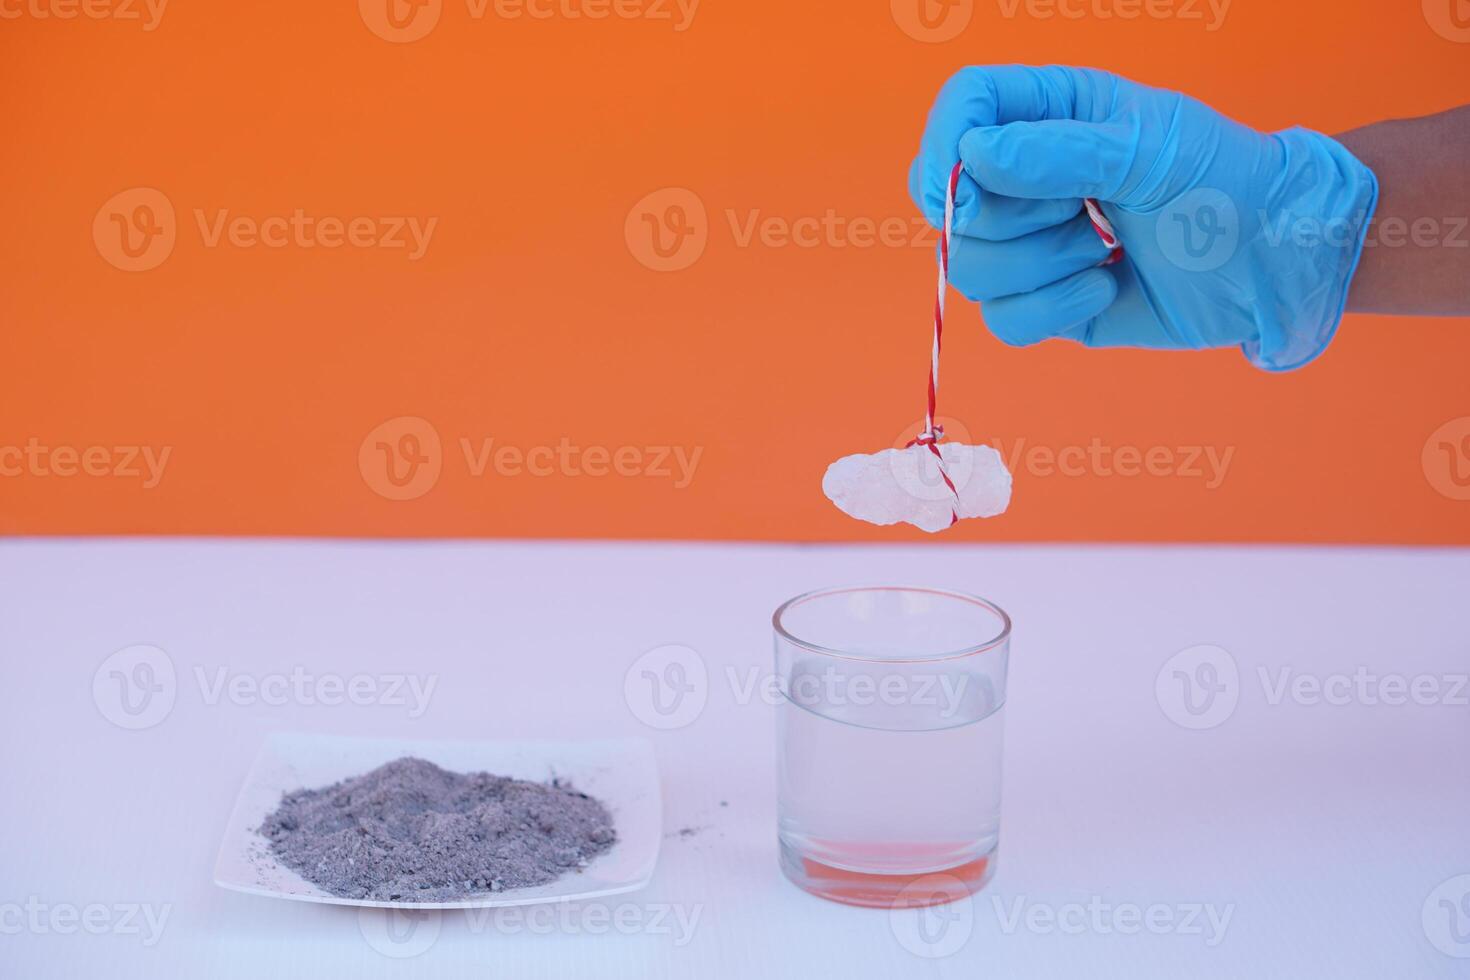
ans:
(932, 432)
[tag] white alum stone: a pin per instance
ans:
(905, 485)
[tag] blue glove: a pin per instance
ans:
(1232, 237)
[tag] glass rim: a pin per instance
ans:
(969, 651)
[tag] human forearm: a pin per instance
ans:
(1417, 256)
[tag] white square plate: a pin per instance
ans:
(621, 773)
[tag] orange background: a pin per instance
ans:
(530, 319)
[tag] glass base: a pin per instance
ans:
(886, 891)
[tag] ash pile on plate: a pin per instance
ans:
(410, 831)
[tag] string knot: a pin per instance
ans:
(928, 437)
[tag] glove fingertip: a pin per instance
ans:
(974, 151)
(1007, 320)
(916, 181)
(919, 192)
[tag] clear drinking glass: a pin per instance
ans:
(889, 738)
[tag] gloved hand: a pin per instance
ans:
(1231, 236)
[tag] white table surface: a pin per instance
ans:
(1332, 835)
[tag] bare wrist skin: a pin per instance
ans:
(1416, 260)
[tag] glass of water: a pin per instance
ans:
(889, 737)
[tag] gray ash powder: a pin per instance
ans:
(410, 831)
